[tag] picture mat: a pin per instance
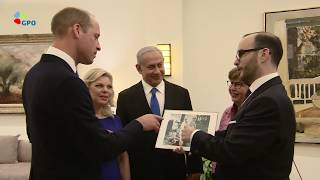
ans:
(173, 122)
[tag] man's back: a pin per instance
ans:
(67, 140)
(50, 128)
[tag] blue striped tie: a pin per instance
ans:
(154, 104)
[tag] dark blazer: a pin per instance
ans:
(259, 142)
(67, 140)
(146, 161)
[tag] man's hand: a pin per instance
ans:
(150, 122)
(179, 150)
(186, 133)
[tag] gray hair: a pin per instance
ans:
(144, 50)
(92, 76)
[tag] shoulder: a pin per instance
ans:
(111, 118)
(228, 109)
(131, 90)
(275, 94)
(170, 85)
(73, 88)
(117, 120)
(73, 81)
(116, 117)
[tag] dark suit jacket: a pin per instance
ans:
(259, 144)
(67, 140)
(146, 161)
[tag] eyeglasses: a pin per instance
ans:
(241, 52)
(235, 84)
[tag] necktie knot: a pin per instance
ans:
(154, 91)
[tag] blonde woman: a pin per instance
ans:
(100, 87)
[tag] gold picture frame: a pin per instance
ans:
(18, 53)
(299, 31)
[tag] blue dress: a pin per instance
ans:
(110, 169)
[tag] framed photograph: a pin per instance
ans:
(299, 31)
(18, 53)
(173, 122)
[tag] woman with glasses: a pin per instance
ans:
(238, 92)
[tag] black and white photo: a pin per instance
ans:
(169, 136)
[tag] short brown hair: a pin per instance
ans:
(234, 74)
(67, 17)
(270, 41)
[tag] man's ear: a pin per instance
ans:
(265, 55)
(138, 67)
(76, 31)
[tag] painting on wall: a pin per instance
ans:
(18, 53)
(299, 31)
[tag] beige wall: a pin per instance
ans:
(126, 26)
(208, 32)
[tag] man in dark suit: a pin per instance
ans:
(67, 140)
(259, 142)
(146, 161)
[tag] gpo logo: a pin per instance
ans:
(22, 18)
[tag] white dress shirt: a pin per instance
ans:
(64, 56)
(160, 93)
(258, 82)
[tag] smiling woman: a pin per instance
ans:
(238, 92)
(100, 87)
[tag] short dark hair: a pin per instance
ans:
(270, 41)
(234, 74)
(67, 17)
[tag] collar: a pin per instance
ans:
(258, 82)
(64, 56)
(147, 88)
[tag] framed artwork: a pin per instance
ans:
(173, 122)
(299, 31)
(18, 53)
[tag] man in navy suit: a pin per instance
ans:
(259, 142)
(67, 140)
(147, 162)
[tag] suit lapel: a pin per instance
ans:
(257, 92)
(168, 97)
(141, 98)
(47, 58)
